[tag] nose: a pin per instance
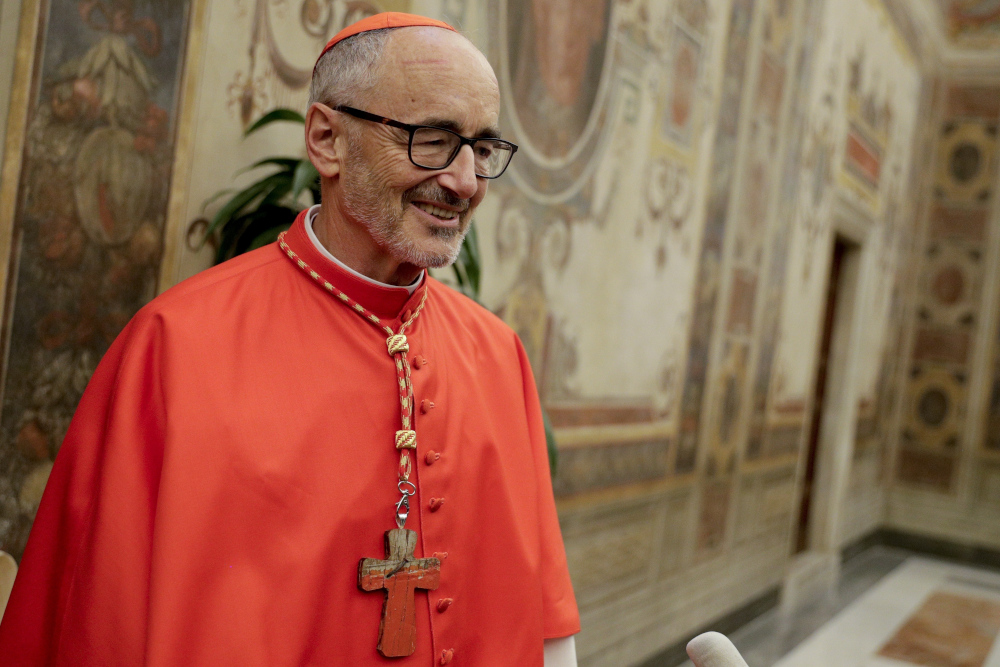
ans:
(460, 176)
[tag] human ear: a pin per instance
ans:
(325, 140)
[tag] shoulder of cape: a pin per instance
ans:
(241, 267)
(198, 299)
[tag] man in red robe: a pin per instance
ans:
(248, 439)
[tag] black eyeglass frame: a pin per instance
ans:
(411, 129)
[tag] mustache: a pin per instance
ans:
(436, 195)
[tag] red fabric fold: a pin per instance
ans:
(233, 459)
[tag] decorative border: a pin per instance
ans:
(176, 223)
(13, 153)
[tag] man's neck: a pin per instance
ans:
(353, 246)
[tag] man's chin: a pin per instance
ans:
(438, 259)
(435, 253)
(438, 247)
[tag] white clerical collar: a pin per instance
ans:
(310, 216)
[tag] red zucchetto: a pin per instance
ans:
(384, 20)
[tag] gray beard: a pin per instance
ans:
(372, 206)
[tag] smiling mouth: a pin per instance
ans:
(437, 212)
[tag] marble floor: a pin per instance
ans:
(891, 609)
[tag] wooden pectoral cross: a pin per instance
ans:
(400, 575)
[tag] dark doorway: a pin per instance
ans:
(833, 325)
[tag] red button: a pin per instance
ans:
(419, 362)
(430, 457)
(440, 555)
(436, 503)
(443, 604)
(407, 314)
(426, 406)
(447, 655)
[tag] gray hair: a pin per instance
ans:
(345, 73)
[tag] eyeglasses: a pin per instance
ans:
(436, 148)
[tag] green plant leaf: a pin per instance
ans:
(459, 271)
(247, 231)
(243, 198)
(267, 236)
(473, 266)
(273, 116)
(280, 192)
(466, 266)
(286, 164)
(217, 195)
(228, 238)
(550, 444)
(305, 176)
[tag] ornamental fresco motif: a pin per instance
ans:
(284, 40)
(869, 116)
(950, 286)
(973, 22)
(554, 58)
(689, 28)
(717, 217)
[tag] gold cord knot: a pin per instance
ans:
(397, 344)
(406, 439)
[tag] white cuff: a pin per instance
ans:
(560, 652)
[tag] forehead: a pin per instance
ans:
(436, 73)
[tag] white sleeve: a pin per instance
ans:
(560, 652)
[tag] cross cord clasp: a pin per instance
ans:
(403, 506)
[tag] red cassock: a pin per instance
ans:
(232, 460)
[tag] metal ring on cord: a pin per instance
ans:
(403, 506)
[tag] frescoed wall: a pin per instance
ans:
(947, 469)
(542, 224)
(87, 233)
(856, 161)
(668, 282)
(661, 244)
(973, 22)
(952, 274)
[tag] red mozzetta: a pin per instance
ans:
(232, 460)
